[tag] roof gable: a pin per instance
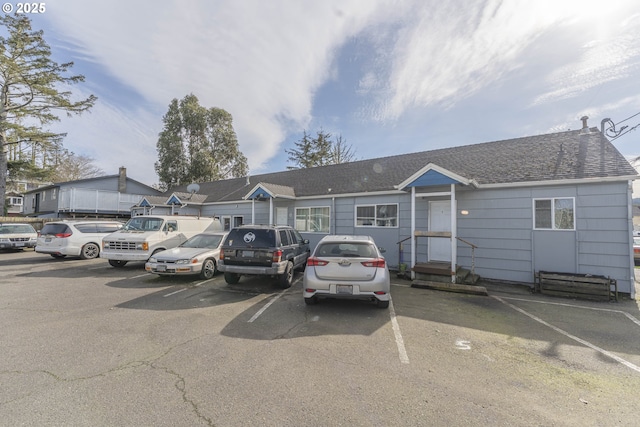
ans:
(432, 175)
(268, 190)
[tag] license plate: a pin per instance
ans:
(47, 240)
(19, 244)
(161, 268)
(247, 254)
(344, 289)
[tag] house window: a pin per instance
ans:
(15, 201)
(554, 214)
(313, 219)
(377, 215)
(232, 222)
(53, 194)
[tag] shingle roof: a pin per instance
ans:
(557, 156)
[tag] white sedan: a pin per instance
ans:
(198, 255)
(347, 267)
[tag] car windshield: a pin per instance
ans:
(16, 228)
(203, 241)
(144, 224)
(336, 249)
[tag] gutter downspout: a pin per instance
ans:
(454, 234)
(333, 209)
(413, 233)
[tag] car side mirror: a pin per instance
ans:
(382, 250)
(305, 241)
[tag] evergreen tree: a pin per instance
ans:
(197, 145)
(31, 90)
(311, 152)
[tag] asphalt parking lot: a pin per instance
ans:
(84, 343)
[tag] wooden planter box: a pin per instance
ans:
(584, 286)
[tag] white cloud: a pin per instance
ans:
(261, 61)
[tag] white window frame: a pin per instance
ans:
(15, 201)
(375, 215)
(308, 220)
(553, 211)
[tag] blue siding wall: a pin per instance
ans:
(500, 223)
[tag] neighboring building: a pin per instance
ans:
(109, 196)
(14, 196)
(14, 203)
(558, 202)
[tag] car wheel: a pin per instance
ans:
(383, 304)
(58, 256)
(231, 278)
(89, 251)
(286, 279)
(208, 268)
(311, 301)
(117, 263)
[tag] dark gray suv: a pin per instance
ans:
(273, 250)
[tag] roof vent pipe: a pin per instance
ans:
(585, 126)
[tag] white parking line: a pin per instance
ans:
(573, 337)
(624, 313)
(402, 351)
(175, 292)
(267, 305)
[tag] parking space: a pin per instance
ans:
(102, 346)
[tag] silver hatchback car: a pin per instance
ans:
(347, 267)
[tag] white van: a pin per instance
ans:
(145, 235)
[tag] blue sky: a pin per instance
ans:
(389, 76)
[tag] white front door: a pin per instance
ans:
(439, 220)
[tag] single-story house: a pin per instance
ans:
(558, 202)
(110, 196)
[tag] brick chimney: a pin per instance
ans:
(122, 180)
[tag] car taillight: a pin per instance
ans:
(63, 235)
(221, 255)
(277, 256)
(313, 262)
(378, 263)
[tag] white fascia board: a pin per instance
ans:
(362, 194)
(231, 202)
(559, 182)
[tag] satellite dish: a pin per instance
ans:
(193, 188)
